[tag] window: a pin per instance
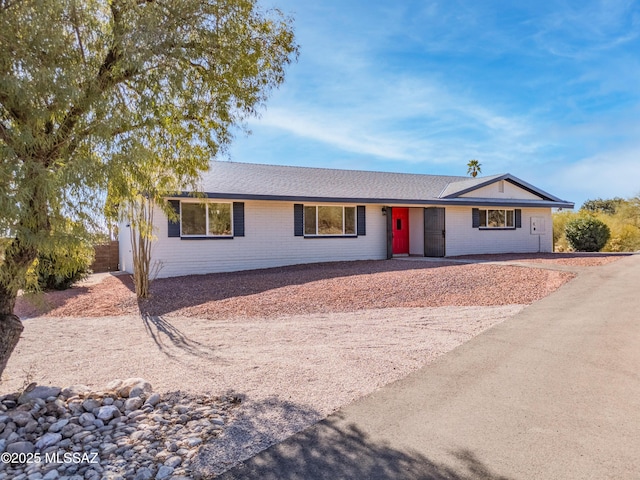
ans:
(219, 219)
(194, 219)
(329, 220)
(497, 219)
(206, 219)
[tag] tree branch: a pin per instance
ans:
(4, 133)
(12, 109)
(76, 28)
(102, 82)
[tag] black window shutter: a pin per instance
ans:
(298, 220)
(173, 228)
(362, 220)
(518, 218)
(238, 219)
(475, 213)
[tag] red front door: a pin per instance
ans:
(400, 231)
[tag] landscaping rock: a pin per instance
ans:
(108, 412)
(134, 387)
(173, 462)
(90, 404)
(47, 440)
(143, 473)
(70, 430)
(128, 436)
(86, 419)
(21, 447)
(75, 390)
(133, 403)
(57, 426)
(20, 417)
(164, 472)
(39, 391)
(153, 399)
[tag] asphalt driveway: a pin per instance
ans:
(554, 393)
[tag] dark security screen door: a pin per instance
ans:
(434, 232)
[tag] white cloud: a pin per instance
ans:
(588, 29)
(402, 118)
(606, 175)
(340, 133)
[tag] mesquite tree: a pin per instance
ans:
(84, 84)
(136, 190)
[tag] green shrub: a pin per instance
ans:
(587, 234)
(60, 268)
(3, 245)
(560, 220)
(624, 238)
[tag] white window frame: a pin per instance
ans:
(486, 225)
(206, 214)
(344, 219)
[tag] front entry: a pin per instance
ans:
(400, 231)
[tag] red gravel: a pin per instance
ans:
(304, 289)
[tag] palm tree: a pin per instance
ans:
(474, 168)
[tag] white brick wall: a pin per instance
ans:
(416, 231)
(462, 239)
(268, 242)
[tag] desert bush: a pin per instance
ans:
(624, 238)
(3, 244)
(587, 234)
(622, 216)
(60, 267)
(560, 220)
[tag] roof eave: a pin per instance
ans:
(480, 202)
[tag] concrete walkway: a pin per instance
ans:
(512, 263)
(553, 393)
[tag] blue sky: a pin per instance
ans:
(548, 91)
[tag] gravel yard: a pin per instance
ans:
(295, 343)
(305, 289)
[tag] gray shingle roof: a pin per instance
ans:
(275, 182)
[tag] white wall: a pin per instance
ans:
(268, 242)
(124, 242)
(463, 239)
(416, 231)
(511, 191)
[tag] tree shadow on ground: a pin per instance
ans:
(327, 450)
(169, 339)
(30, 305)
(168, 294)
